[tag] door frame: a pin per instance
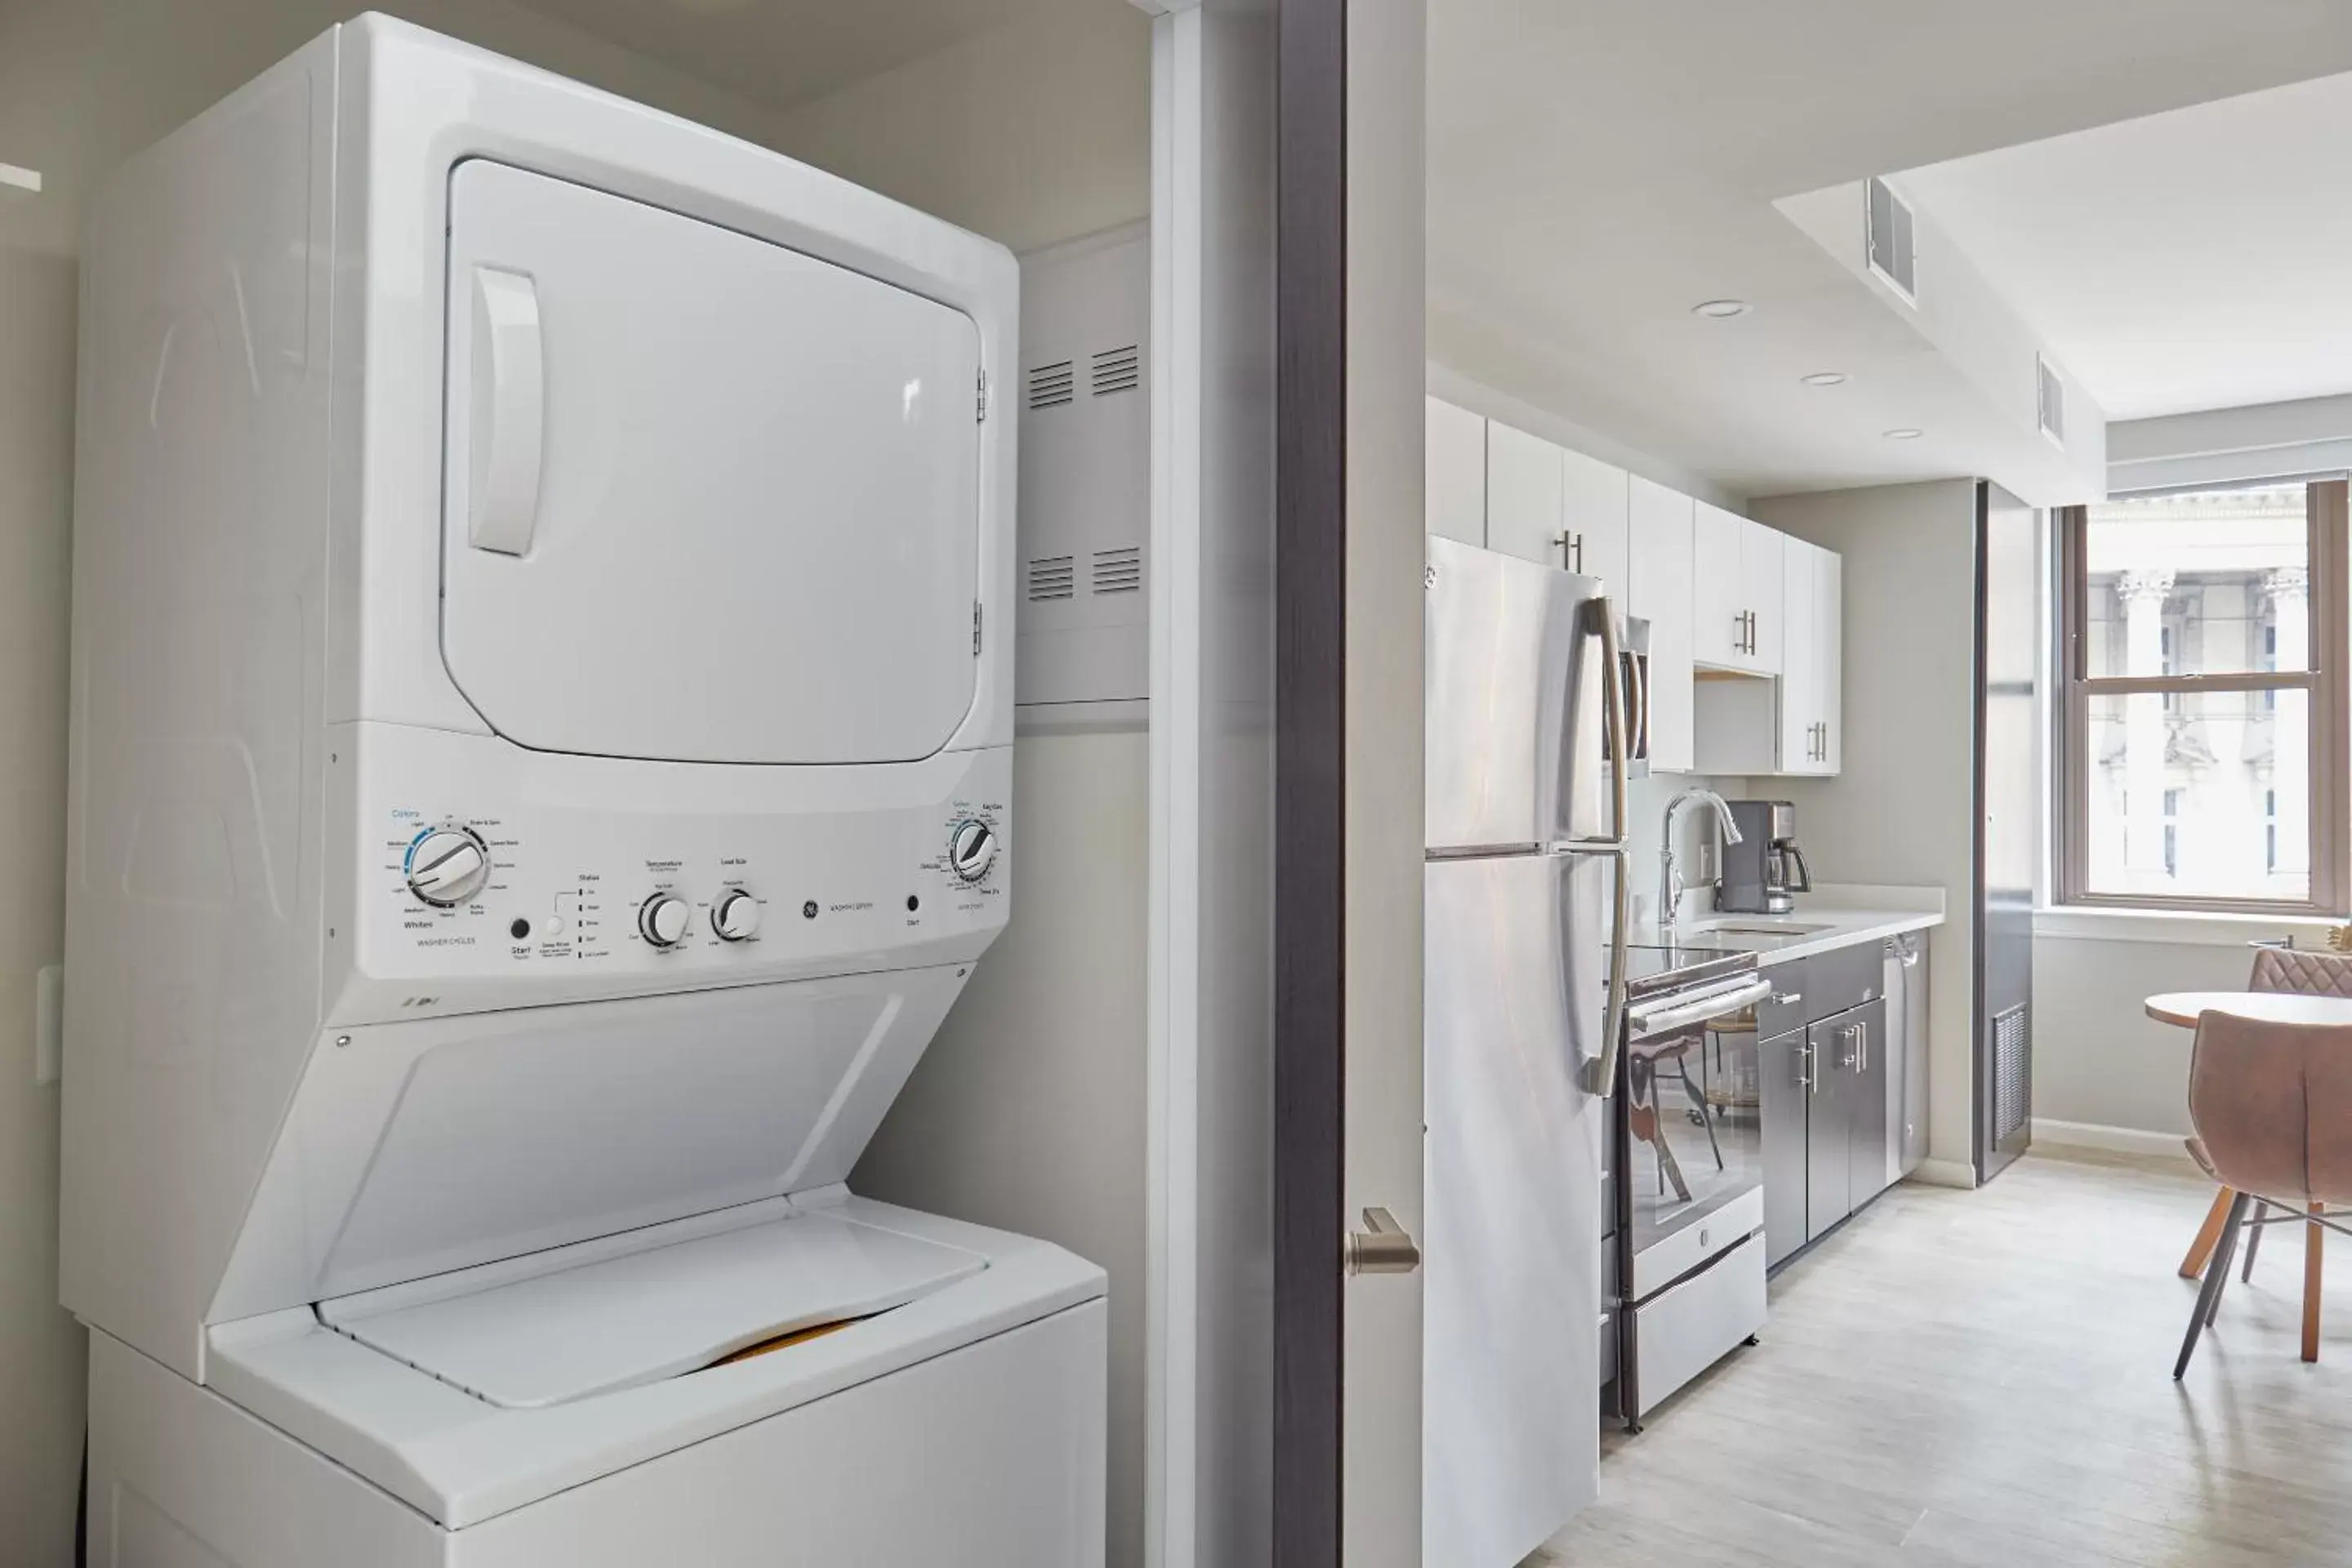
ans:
(1310, 778)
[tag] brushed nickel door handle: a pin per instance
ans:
(1383, 1247)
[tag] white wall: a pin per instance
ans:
(1903, 811)
(1034, 133)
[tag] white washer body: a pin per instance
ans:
(541, 752)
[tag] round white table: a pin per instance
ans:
(2182, 1007)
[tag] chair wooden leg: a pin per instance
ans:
(2313, 1239)
(2207, 1235)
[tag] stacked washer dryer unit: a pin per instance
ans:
(541, 743)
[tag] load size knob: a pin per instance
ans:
(736, 916)
(447, 866)
(972, 849)
(664, 918)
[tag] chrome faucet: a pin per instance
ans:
(1670, 883)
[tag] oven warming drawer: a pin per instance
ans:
(1695, 1241)
(1680, 1333)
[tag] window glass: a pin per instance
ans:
(2206, 799)
(2214, 582)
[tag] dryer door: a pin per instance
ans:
(705, 498)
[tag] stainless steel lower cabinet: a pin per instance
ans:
(1689, 1326)
(1782, 1082)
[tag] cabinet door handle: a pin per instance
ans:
(1806, 1079)
(1788, 998)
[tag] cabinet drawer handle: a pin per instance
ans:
(1788, 998)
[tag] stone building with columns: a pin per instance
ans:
(2200, 794)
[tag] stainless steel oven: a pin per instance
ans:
(1689, 1179)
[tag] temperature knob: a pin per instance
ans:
(972, 849)
(447, 866)
(736, 916)
(664, 918)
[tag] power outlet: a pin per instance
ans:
(1708, 854)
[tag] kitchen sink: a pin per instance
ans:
(1767, 928)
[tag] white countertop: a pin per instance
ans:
(1840, 916)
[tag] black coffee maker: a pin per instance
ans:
(1762, 871)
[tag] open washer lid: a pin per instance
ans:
(644, 1316)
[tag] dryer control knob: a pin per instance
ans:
(736, 916)
(664, 918)
(972, 849)
(447, 866)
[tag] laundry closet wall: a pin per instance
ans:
(1028, 121)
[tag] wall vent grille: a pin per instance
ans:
(1118, 571)
(1118, 370)
(2012, 1072)
(1053, 577)
(1052, 385)
(1892, 256)
(2050, 400)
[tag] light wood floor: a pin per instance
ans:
(1985, 1378)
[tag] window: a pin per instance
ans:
(2202, 716)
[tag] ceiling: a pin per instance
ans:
(1595, 169)
(2180, 261)
(783, 53)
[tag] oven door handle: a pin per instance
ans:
(1713, 1006)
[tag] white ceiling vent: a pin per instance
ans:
(2050, 400)
(1891, 253)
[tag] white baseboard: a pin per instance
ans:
(2113, 1139)
(1945, 1174)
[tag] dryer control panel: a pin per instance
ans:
(456, 885)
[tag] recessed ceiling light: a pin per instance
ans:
(1905, 433)
(1824, 378)
(1720, 309)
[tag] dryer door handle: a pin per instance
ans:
(508, 413)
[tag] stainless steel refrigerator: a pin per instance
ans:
(1523, 1005)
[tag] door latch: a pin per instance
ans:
(1384, 1247)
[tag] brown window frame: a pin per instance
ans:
(2325, 502)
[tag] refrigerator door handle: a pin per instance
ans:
(1601, 1071)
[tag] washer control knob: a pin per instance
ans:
(447, 866)
(664, 918)
(736, 916)
(972, 849)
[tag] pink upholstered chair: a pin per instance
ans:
(2271, 1106)
(2302, 973)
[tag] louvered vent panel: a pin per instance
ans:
(1118, 571)
(1891, 254)
(1118, 370)
(1052, 385)
(1053, 577)
(2051, 399)
(2012, 1071)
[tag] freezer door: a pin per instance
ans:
(1514, 703)
(1511, 1358)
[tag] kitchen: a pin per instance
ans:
(1823, 453)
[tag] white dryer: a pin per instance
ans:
(541, 753)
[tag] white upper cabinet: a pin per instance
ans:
(1660, 549)
(1800, 676)
(1736, 593)
(1812, 686)
(1594, 498)
(1829, 654)
(1524, 481)
(1454, 485)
